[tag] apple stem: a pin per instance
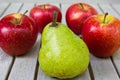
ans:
(55, 14)
(81, 5)
(105, 17)
(44, 6)
(23, 16)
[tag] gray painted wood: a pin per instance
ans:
(27, 6)
(64, 1)
(116, 7)
(5, 64)
(6, 60)
(116, 57)
(13, 8)
(42, 76)
(116, 60)
(3, 7)
(103, 69)
(83, 76)
(97, 8)
(108, 8)
(64, 10)
(24, 66)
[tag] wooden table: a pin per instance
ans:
(26, 67)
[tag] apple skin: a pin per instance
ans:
(17, 39)
(102, 39)
(76, 15)
(43, 14)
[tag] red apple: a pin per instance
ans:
(101, 33)
(18, 34)
(43, 14)
(76, 15)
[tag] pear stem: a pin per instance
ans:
(81, 5)
(23, 16)
(105, 17)
(55, 14)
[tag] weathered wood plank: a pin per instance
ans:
(64, 1)
(97, 8)
(64, 8)
(116, 7)
(42, 76)
(108, 8)
(3, 7)
(13, 8)
(103, 69)
(25, 66)
(116, 57)
(116, 60)
(5, 64)
(84, 76)
(6, 60)
(27, 6)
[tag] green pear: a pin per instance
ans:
(62, 54)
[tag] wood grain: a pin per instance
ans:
(25, 67)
